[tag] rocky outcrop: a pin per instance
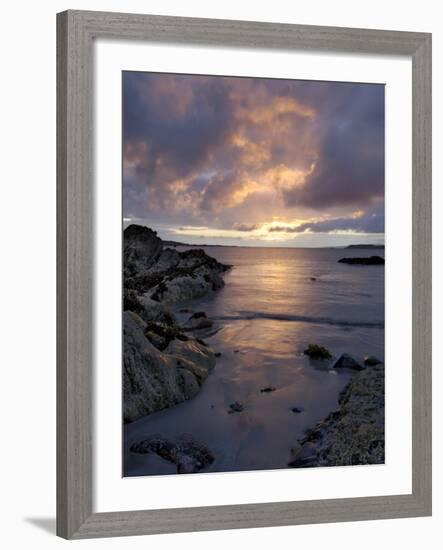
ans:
(162, 366)
(371, 361)
(187, 453)
(155, 379)
(164, 274)
(372, 260)
(355, 432)
(366, 246)
(198, 321)
(141, 249)
(346, 361)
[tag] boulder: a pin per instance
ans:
(187, 453)
(317, 352)
(167, 260)
(141, 248)
(304, 456)
(198, 321)
(162, 365)
(155, 379)
(182, 286)
(152, 311)
(196, 357)
(352, 434)
(372, 260)
(169, 276)
(346, 361)
(161, 326)
(235, 407)
(371, 361)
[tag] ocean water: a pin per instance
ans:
(275, 302)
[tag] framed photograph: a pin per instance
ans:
(244, 274)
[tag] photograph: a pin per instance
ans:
(222, 215)
(253, 286)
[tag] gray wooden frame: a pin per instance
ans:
(76, 31)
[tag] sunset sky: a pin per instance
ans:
(253, 162)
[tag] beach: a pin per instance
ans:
(274, 303)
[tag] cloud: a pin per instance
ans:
(202, 150)
(284, 229)
(350, 165)
(246, 226)
(371, 222)
(170, 126)
(226, 191)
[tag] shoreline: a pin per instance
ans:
(162, 363)
(171, 345)
(352, 434)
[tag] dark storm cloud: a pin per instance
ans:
(215, 150)
(177, 128)
(350, 166)
(170, 126)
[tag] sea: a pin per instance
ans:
(275, 302)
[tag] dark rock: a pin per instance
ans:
(313, 278)
(156, 340)
(346, 361)
(171, 276)
(187, 453)
(354, 433)
(141, 248)
(160, 334)
(217, 354)
(297, 410)
(372, 260)
(235, 407)
(159, 292)
(198, 321)
(317, 352)
(182, 336)
(162, 366)
(367, 246)
(198, 315)
(198, 324)
(131, 301)
(304, 456)
(371, 361)
(268, 389)
(315, 434)
(151, 311)
(155, 379)
(197, 256)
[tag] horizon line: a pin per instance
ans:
(357, 245)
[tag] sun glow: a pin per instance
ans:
(264, 231)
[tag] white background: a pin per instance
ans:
(28, 274)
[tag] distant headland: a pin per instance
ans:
(362, 246)
(351, 246)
